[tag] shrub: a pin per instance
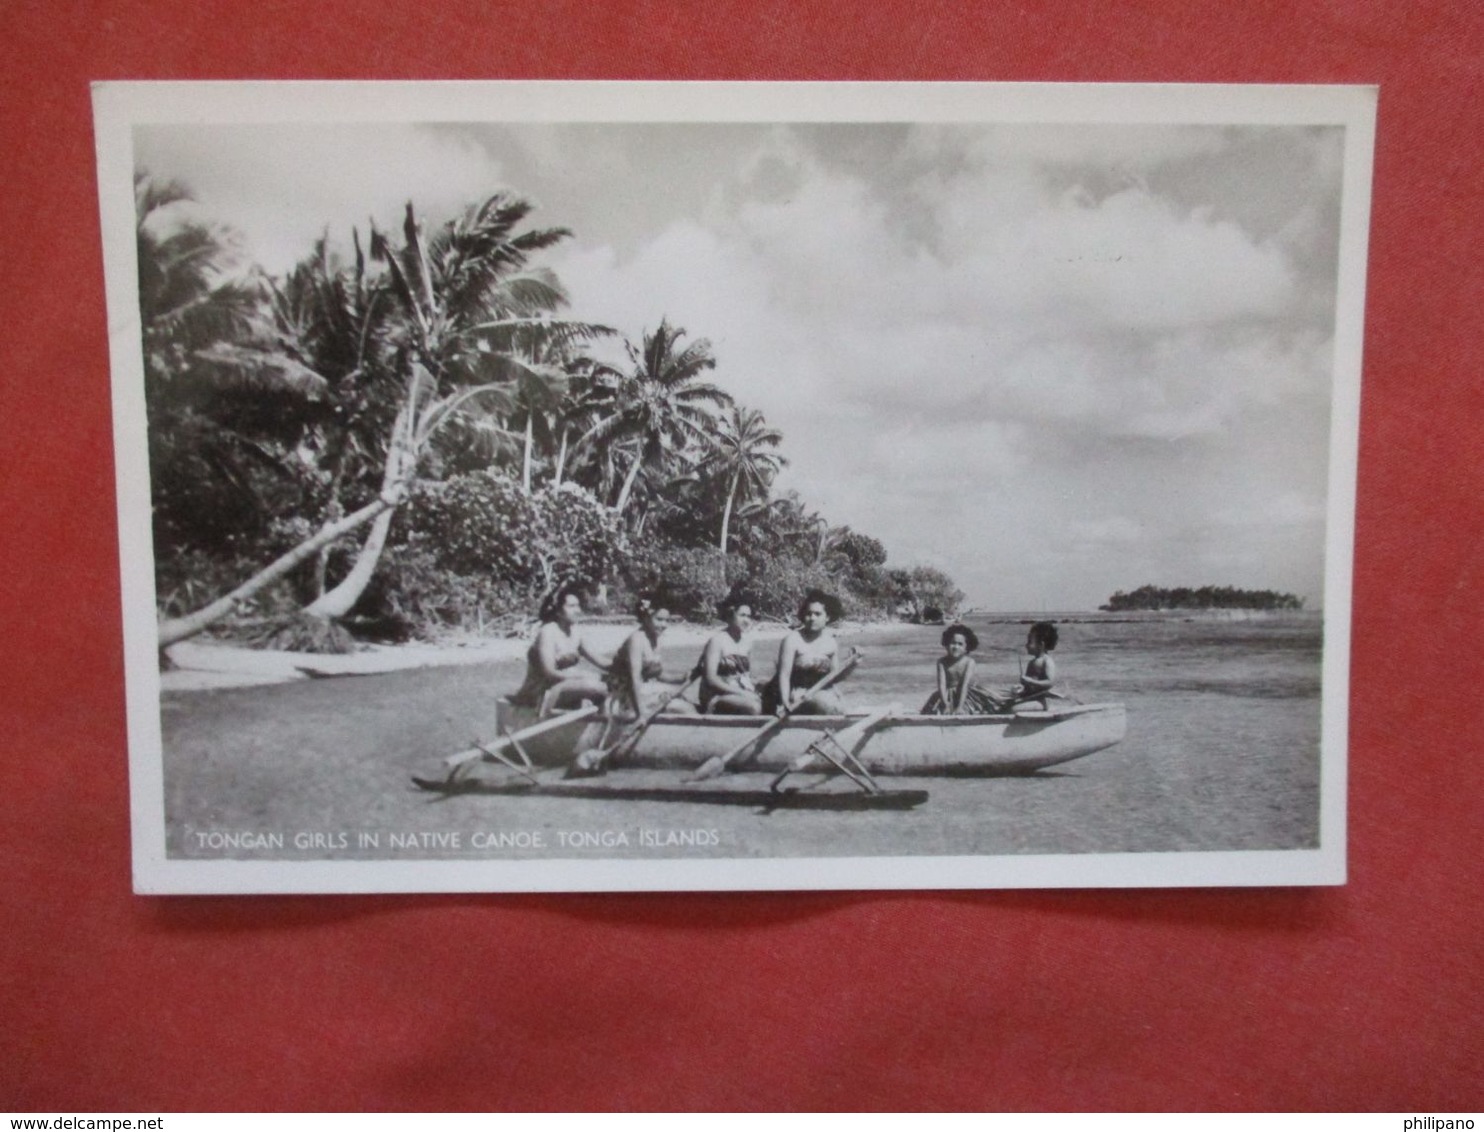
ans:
(777, 585)
(579, 536)
(411, 589)
(483, 524)
(692, 580)
(475, 553)
(930, 587)
(476, 524)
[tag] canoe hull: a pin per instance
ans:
(902, 745)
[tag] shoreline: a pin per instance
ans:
(203, 666)
(206, 665)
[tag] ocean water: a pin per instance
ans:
(1222, 753)
(1222, 749)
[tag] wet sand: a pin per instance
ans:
(1222, 753)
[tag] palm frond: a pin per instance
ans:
(383, 252)
(415, 261)
(695, 393)
(196, 320)
(689, 362)
(152, 194)
(532, 292)
(271, 369)
(538, 334)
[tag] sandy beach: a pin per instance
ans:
(203, 665)
(1222, 752)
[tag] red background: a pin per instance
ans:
(1367, 996)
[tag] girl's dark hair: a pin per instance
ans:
(1045, 632)
(833, 610)
(733, 602)
(552, 603)
(970, 638)
(651, 600)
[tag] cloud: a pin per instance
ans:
(283, 186)
(1286, 510)
(1053, 360)
(1127, 262)
(922, 373)
(1106, 147)
(1112, 531)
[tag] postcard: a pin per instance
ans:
(549, 486)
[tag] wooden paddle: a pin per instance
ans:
(591, 762)
(716, 764)
(505, 742)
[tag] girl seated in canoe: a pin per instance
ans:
(1040, 671)
(726, 664)
(1039, 674)
(550, 685)
(636, 678)
(957, 694)
(806, 656)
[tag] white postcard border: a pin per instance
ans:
(119, 106)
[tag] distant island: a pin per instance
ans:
(1207, 597)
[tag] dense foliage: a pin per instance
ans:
(483, 523)
(423, 394)
(1206, 597)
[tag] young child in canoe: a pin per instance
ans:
(1039, 675)
(957, 694)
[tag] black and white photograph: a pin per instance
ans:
(600, 486)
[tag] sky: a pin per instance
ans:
(1053, 360)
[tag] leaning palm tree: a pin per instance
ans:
(477, 318)
(469, 309)
(661, 404)
(330, 323)
(742, 451)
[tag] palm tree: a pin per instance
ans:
(475, 317)
(221, 441)
(661, 404)
(588, 400)
(331, 325)
(337, 322)
(193, 290)
(791, 526)
(469, 312)
(573, 414)
(544, 398)
(741, 451)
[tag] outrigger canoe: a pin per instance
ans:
(955, 745)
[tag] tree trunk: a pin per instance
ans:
(338, 602)
(726, 514)
(561, 460)
(628, 485)
(179, 628)
(335, 511)
(525, 470)
(401, 461)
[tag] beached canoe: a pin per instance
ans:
(902, 744)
